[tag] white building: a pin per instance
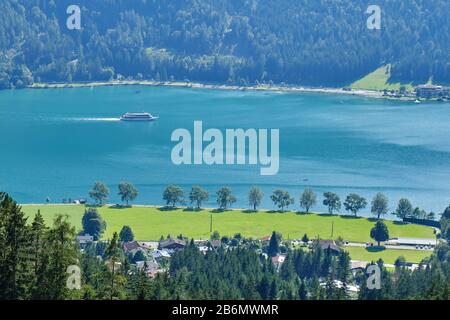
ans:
(411, 242)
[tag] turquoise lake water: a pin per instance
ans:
(57, 143)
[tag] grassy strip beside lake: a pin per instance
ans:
(149, 223)
(388, 255)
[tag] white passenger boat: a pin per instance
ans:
(138, 116)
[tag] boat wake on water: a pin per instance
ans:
(100, 119)
(91, 119)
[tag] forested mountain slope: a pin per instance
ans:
(311, 42)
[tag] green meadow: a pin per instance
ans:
(149, 223)
(379, 80)
(388, 255)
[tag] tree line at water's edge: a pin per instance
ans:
(323, 42)
(35, 258)
(174, 195)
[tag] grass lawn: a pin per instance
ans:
(389, 256)
(379, 80)
(150, 223)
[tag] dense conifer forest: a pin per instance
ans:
(308, 42)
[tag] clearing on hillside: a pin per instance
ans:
(379, 80)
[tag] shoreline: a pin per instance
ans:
(195, 85)
(109, 205)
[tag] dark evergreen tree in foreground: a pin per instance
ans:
(445, 224)
(274, 244)
(113, 254)
(380, 232)
(39, 255)
(14, 243)
(126, 234)
(63, 253)
(93, 224)
(305, 238)
(34, 257)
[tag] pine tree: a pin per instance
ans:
(62, 253)
(274, 244)
(139, 285)
(112, 252)
(93, 223)
(302, 291)
(38, 253)
(287, 271)
(126, 234)
(264, 288)
(273, 291)
(330, 289)
(14, 248)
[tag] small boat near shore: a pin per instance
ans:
(138, 116)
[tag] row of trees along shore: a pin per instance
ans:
(174, 195)
(35, 259)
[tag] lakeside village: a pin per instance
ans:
(427, 91)
(154, 257)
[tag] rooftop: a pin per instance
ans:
(328, 244)
(216, 243)
(130, 246)
(428, 86)
(355, 264)
(171, 241)
(279, 259)
(85, 238)
(412, 241)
